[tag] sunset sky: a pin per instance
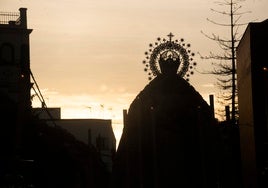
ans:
(86, 55)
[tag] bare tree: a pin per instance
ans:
(225, 62)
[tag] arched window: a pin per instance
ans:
(6, 54)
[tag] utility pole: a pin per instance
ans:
(233, 63)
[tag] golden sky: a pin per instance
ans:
(86, 55)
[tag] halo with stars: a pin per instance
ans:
(177, 48)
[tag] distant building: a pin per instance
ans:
(252, 81)
(95, 132)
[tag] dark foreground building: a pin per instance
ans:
(252, 81)
(32, 153)
(169, 136)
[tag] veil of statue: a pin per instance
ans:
(168, 138)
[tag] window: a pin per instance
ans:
(6, 54)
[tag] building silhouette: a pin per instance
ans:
(92, 132)
(252, 80)
(15, 76)
(35, 152)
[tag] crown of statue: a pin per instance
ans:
(169, 62)
(169, 57)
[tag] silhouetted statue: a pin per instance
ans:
(168, 137)
(169, 63)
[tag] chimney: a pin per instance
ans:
(23, 17)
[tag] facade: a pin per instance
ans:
(14, 58)
(14, 74)
(93, 132)
(252, 81)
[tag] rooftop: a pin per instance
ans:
(14, 19)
